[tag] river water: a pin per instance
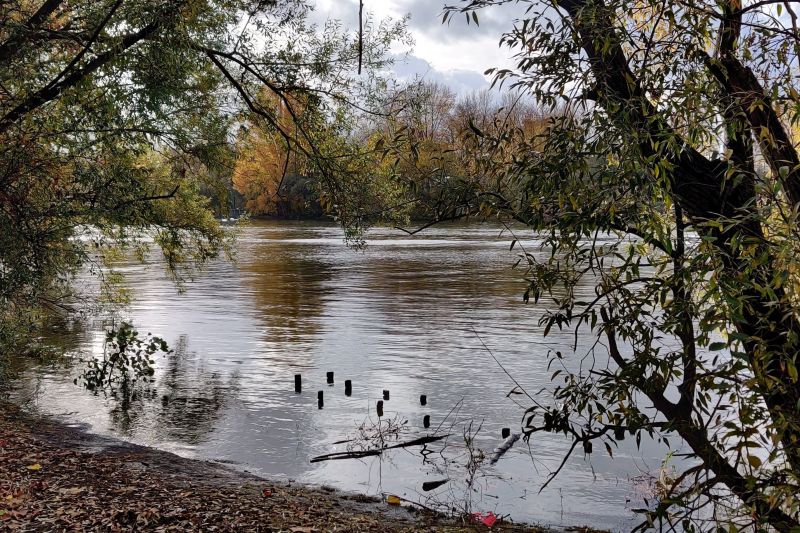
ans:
(406, 314)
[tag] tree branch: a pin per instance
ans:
(53, 90)
(11, 45)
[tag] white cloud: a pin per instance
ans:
(460, 80)
(456, 53)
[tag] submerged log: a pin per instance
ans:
(356, 454)
(415, 442)
(345, 455)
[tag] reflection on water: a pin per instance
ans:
(400, 315)
(184, 402)
(287, 295)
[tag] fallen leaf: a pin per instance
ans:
(35, 466)
(267, 493)
(305, 529)
(391, 499)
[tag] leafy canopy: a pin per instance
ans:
(116, 117)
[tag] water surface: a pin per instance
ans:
(406, 314)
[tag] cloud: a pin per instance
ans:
(426, 18)
(344, 10)
(412, 67)
(456, 53)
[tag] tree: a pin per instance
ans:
(308, 105)
(103, 118)
(674, 134)
(268, 172)
(439, 147)
(115, 114)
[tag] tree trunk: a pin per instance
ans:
(702, 188)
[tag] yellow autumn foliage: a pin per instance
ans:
(265, 158)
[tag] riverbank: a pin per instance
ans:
(55, 477)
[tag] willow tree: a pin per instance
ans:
(676, 136)
(115, 114)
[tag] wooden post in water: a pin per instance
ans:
(506, 432)
(380, 408)
(298, 385)
(423, 400)
(320, 401)
(385, 394)
(348, 387)
(330, 378)
(426, 421)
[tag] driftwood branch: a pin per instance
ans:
(357, 454)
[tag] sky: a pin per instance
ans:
(456, 54)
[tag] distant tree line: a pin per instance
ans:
(423, 136)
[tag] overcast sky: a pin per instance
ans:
(456, 54)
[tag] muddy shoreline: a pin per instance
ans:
(59, 477)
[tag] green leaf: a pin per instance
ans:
(754, 461)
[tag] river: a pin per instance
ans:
(406, 314)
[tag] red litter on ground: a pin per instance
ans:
(487, 519)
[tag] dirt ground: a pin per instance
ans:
(59, 478)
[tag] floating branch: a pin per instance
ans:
(422, 440)
(377, 451)
(346, 455)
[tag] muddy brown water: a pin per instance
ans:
(401, 315)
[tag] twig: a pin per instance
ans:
(360, 33)
(507, 373)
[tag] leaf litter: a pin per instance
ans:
(58, 478)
